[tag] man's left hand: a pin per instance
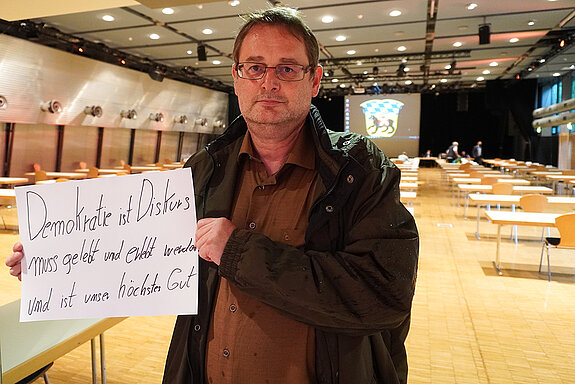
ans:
(212, 235)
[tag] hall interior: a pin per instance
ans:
(469, 324)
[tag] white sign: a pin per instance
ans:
(107, 247)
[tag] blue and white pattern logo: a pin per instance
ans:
(381, 117)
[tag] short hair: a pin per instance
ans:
(455, 143)
(280, 16)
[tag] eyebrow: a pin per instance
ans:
(259, 59)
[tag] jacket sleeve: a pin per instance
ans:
(359, 275)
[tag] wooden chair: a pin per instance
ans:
(501, 188)
(478, 175)
(535, 202)
(565, 224)
(465, 166)
(93, 172)
(488, 180)
(40, 175)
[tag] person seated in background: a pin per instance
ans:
(428, 153)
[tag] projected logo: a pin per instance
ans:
(381, 116)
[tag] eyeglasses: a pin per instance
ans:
(284, 72)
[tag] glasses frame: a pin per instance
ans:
(275, 68)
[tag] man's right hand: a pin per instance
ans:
(14, 261)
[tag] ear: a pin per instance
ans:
(317, 75)
(235, 76)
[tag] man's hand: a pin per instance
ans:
(15, 259)
(212, 235)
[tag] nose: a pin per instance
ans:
(270, 80)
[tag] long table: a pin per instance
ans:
(533, 219)
(481, 199)
(27, 347)
(481, 188)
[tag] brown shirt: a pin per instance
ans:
(250, 342)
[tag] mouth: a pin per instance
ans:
(269, 100)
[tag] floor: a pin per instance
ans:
(469, 325)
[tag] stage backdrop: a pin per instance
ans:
(390, 121)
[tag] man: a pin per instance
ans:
(308, 257)
(477, 153)
(452, 154)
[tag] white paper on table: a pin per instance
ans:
(107, 247)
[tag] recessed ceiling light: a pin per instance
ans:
(199, 6)
(327, 19)
(471, 6)
(168, 11)
(340, 38)
(189, 52)
(342, 85)
(408, 82)
(108, 18)
(365, 72)
(493, 64)
(541, 61)
(404, 60)
(359, 62)
(371, 78)
(457, 44)
(130, 38)
(556, 74)
(513, 40)
(376, 50)
(530, 69)
(234, 3)
(360, 16)
(207, 31)
(463, 27)
(572, 66)
(334, 80)
(531, 22)
(351, 52)
(448, 66)
(406, 69)
(395, 13)
(154, 36)
(401, 48)
(486, 72)
(216, 62)
(443, 80)
(480, 78)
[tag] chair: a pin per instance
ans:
(93, 172)
(535, 202)
(488, 180)
(477, 175)
(33, 376)
(501, 188)
(465, 166)
(565, 224)
(40, 175)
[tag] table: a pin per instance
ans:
(142, 168)
(14, 180)
(407, 196)
(519, 189)
(517, 218)
(408, 185)
(485, 199)
(66, 175)
(473, 180)
(29, 346)
(101, 171)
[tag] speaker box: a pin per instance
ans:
(202, 53)
(484, 34)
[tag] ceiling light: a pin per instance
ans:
(448, 66)
(471, 6)
(342, 85)
(168, 11)
(360, 16)
(327, 19)
(340, 38)
(370, 78)
(189, 52)
(529, 69)
(406, 69)
(541, 61)
(216, 62)
(531, 22)
(408, 82)
(513, 40)
(207, 31)
(493, 64)
(108, 18)
(486, 72)
(351, 52)
(572, 66)
(443, 80)
(334, 80)
(395, 13)
(365, 72)
(359, 62)
(234, 3)
(480, 78)
(556, 74)
(457, 44)
(401, 48)
(154, 36)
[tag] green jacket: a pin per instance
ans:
(353, 281)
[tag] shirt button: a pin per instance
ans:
(252, 225)
(226, 352)
(233, 308)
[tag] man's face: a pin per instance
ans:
(271, 107)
